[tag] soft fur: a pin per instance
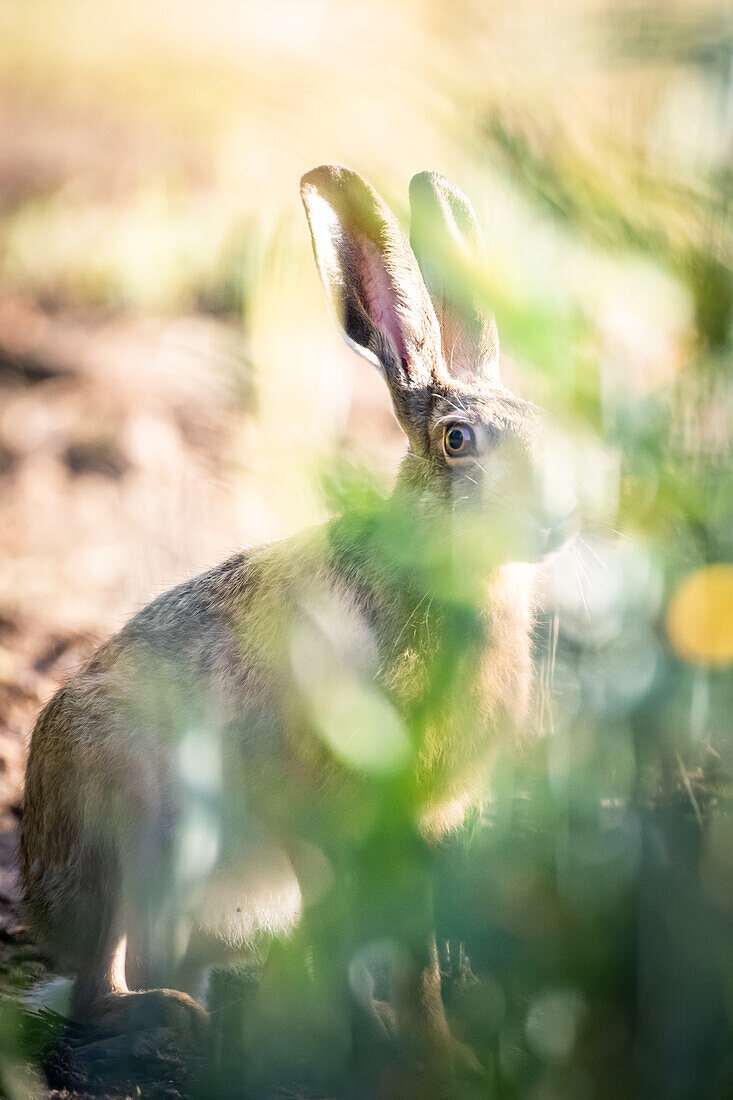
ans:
(236, 666)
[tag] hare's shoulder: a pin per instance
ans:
(194, 604)
(207, 621)
(186, 630)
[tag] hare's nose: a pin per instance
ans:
(553, 529)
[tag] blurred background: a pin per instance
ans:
(171, 386)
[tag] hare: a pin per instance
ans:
(189, 786)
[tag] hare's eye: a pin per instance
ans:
(458, 441)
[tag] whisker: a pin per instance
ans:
(596, 555)
(574, 559)
(406, 625)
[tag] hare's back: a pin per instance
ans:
(182, 658)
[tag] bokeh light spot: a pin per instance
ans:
(700, 617)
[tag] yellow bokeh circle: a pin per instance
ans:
(700, 617)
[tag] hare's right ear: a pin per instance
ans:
(375, 289)
(449, 246)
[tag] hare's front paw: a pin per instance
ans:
(449, 1057)
(148, 1010)
(442, 1067)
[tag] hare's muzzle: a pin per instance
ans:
(551, 531)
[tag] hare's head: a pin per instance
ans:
(415, 310)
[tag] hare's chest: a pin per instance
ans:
(465, 696)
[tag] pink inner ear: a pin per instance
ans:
(380, 298)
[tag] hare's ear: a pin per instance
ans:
(375, 289)
(447, 241)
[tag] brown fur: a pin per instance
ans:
(217, 659)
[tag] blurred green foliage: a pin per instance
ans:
(584, 915)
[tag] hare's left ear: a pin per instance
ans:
(447, 240)
(375, 289)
